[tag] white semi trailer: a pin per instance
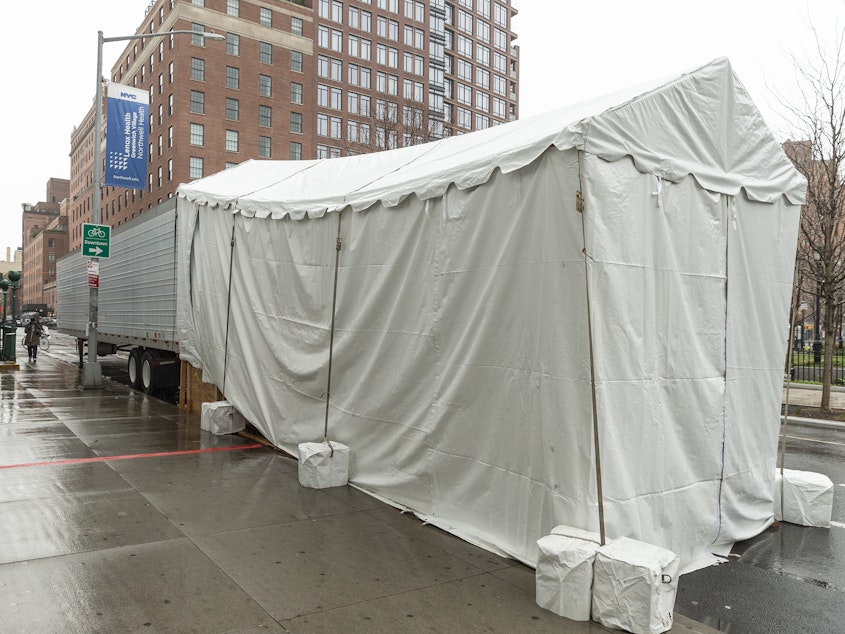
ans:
(136, 298)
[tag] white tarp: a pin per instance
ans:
(461, 361)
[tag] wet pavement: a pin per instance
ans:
(118, 514)
(789, 578)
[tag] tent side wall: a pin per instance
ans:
(460, 360)
(658, 285)
(761, 263)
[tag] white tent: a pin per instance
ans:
(463, 367)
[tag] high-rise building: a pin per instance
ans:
(301, 79)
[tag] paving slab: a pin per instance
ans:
(155, 587)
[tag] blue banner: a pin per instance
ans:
(126, 137)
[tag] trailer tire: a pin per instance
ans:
(149, 372)
(133, 367)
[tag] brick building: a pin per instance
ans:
(301, 80)
(44, 238)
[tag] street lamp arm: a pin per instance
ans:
(145, 36)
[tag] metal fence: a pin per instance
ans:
(808, 365)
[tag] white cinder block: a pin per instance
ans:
(220, 417)
(807, 498)
(564, 576)
(634, 586)
(322, 465)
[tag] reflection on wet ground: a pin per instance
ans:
(218, 538)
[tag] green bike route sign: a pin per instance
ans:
(95, 240)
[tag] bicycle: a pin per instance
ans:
(45, 340)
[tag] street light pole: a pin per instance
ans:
(92, 372)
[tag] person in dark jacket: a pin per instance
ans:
(32, 338)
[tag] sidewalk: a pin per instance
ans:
(801, 394)
(118, 514)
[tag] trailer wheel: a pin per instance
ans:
(133, 367)
(149, 370)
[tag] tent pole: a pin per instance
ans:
(579, 205)
(229, 304)
(331, 334)
(785, 422)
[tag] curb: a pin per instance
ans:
(815, 422)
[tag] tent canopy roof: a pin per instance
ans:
(702, 123)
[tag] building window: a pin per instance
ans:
(322, 125)
(197, 134)
(264, 116)
(482, 31)
(233, 44)
(197, 102)
(265, 85)
(232, 109)
(295, 92)
(265, 16)
(197, 69)
(500, 15)
(296, 122)
(264, 146)
(482, 78)
(295, 151)
(296, 61)
(296, 26)
(335, 127)
(231, 140)
(195, 167)
(51, 257)
(482, 101)
(465, 21)
(197, 40)
(233, 77)
(265, 53)
(233, 8)
(169, 170)
(337, 70)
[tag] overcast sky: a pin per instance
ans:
(570, 51)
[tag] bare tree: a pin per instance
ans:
(389, 125)
(820, 157)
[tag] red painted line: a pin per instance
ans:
(50, 463)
